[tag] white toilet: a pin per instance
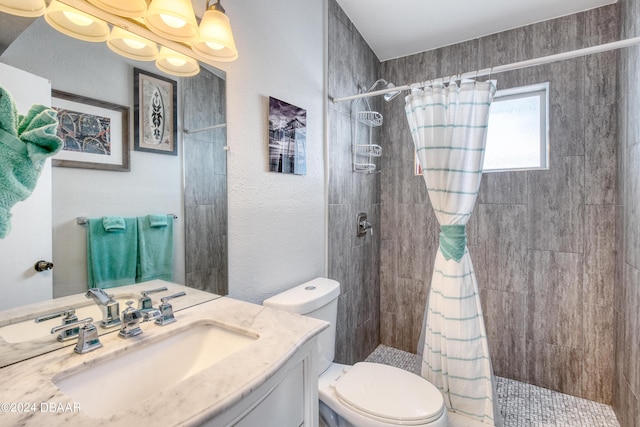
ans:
(365, 394)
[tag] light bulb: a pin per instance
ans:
(133, 44)
(80, 20)
(215, 46)
(176, 62)
(173, 21)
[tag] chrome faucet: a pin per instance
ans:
(87, 335)
(133, 317)
(109, 307)
(69, 317)
(166, 310)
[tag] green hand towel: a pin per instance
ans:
(113, 223)
(155, 249)
(25, 144)
(158, 220)
(111, 255)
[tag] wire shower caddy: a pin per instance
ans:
(363, 154)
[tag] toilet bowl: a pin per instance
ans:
(365, 394)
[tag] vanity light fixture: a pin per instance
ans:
(140, 28)
(74, 23)
(131, 45)
(177, 64)
(127, 8)
(26, 8)
(216, 38)
(172, 19)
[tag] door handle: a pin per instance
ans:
(43, 266)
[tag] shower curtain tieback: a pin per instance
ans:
(448, 127)
(453, 241)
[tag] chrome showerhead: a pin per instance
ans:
(389, 96)
(386, 85)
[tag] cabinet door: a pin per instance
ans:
(29, 240)
(283, 407)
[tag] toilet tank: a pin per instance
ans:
(317, 298)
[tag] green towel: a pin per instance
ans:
(25, 144)
(155, 249)
(111, 255)
(158, 220)
(112, 223)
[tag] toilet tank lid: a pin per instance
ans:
(306, 297)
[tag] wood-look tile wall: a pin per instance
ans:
(353, 261)
(626, 296)
(205, 178)
(542, 242)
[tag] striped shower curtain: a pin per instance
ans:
(448, 126)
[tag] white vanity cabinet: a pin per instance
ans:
(269, 381)
(288, 399)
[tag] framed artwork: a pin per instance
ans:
(155, 113)
(95, 133)
(287, 138)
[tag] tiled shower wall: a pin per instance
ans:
(626, 392)
(353, 261)
(542, 242)
(205, 177)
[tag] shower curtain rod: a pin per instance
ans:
(508, 67)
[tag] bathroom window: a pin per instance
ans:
(518, 132)
(517, 136)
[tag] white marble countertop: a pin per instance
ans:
(11, 352)
(206, 394)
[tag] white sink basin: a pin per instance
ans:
(28, 330)
(115, 384)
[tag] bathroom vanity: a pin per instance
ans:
(223, 362)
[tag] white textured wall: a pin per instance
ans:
(276, 221)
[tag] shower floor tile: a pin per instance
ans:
(521, 405)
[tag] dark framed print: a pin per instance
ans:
(95, 133)
(287, 137)
(155, 113)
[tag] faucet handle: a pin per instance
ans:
(66, 313)
(144, 303)
(69, 317)
(166, 310)
(153, 291)
(88, 339)
(165, 299)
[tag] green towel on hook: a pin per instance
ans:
(25, 144)
(155, 248)
(111, 255)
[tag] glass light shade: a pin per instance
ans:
(177, 64)
(128, 8)
(216, 39)
(26, 8)
(131, 45)
(172, 19)
(75, 23)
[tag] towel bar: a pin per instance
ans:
(82, 220)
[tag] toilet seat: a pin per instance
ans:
(389, 395)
